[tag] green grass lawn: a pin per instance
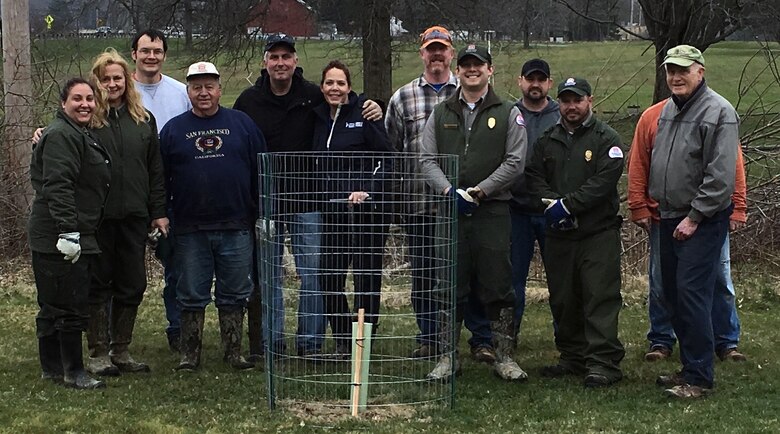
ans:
(217, 399)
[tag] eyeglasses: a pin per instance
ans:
(436, 34)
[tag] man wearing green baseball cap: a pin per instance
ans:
(692, 172)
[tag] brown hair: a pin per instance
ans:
(336, 64)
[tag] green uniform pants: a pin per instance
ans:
(483, 259)
(583, 277)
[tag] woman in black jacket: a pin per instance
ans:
(355, 169)
(70, 173)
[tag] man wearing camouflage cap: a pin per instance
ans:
(692, 173)
(574, 171)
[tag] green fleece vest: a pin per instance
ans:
(484, 149)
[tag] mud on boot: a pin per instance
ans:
(191, 339)
(448, 364)
(99, 362)
(504, 342)
(230, 327)
(122, 324)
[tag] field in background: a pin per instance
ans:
(621, 73)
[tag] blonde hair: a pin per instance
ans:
(132, 98)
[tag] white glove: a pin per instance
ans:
(264, 229)
(68, 245)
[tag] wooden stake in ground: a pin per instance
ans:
(358, 363)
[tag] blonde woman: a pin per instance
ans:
(135, 206)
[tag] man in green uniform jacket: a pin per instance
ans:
(574, 170)
(489, 137)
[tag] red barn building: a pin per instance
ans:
(293, 17)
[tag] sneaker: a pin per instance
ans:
(670, 380)
(593, 380)
(484, 354)
(424, 351)
(687, 391)
(731, 354)
(556, 371)
(657, 353)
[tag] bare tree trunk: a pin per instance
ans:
(17, 126)
(377, 74)
(188, 24)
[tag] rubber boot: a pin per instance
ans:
(122, 323)
(99, 362)
(51, 358)
(504, 342)
(73, 364)
(255, 327)
(191, 339)
(448, 364)
(230, 325)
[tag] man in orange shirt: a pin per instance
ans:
(644, 213)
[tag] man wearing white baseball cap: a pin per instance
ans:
(210, 160)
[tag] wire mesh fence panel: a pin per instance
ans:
(341, 233)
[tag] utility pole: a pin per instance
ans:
(17, 126)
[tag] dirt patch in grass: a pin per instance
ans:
(333, 412)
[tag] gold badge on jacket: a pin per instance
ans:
(588, 155)
(491, 122)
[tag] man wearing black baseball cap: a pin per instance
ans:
(281, 103)
(489, 137)
(574, 171)
(528, 223)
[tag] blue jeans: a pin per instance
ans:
(688, 272)
(526, 229)
(305, 234)
(203, 255)
(725, 321)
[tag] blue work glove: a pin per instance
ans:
(466, 203)
(68, 245)
(555, 212)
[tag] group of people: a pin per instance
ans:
(539, 170)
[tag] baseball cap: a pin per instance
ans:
(535, 65)
(580, 86)
(684, 55)
(202, 68)
(477, 51)
(279, 38)
(435, 34)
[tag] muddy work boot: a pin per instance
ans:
(448, 364)
(73, 363)
(122, 323)
(99, 362)
(504, 342)
(230, 326)
(51, 359)
(191, 339)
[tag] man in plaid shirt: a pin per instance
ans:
(407, 113)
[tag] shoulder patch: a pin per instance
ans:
(615, 152)
(519, 120)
